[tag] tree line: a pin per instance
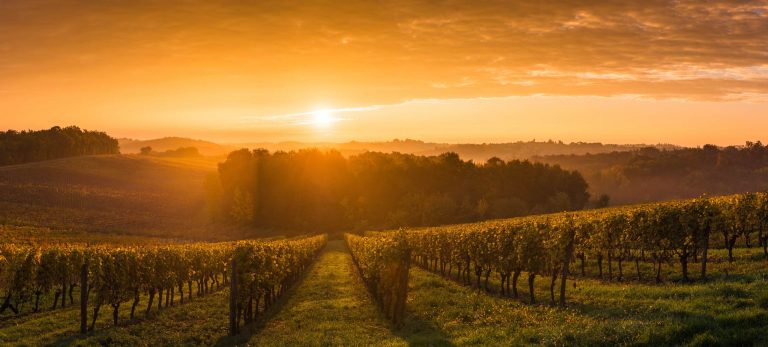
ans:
(324, 191)
(650, 174)
(18, 147)
(181, 152)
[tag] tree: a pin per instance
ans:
(28, 146)
(602, 201)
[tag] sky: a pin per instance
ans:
(631, 71)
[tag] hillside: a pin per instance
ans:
(131, 146)
(117, 194)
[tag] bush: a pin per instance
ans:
(704, 339)
(762, 301)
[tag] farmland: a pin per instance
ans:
(395, 288)
(383, 173)
(331, 304)
(109, 195)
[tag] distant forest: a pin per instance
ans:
(17, 147)
(479, 152)
(313, 190)
(650, 174)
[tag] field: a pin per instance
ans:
(127, 201)
(383, 173)
(330, 306)
(111, 195)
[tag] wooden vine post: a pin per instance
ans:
(402, 288)
(568, 255)
(84, 298)
(233, 300)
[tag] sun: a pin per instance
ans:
(322, 118)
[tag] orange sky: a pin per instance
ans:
(685, 72)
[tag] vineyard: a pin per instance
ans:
(114, 275)
(660, 234)
(697, 264)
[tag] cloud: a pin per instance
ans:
(369, 52)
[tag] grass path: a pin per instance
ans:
(729, 312)
(330, 307)
(202, 322)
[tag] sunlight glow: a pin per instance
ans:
(322, 118)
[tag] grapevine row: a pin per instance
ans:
(677, 231)
(660, 233)
(537, 246)
(383, 262)
(116, 276)
(264, 271)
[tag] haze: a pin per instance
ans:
(684, 72)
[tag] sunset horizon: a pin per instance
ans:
(383, 173)
(340, 124)
(616, 72)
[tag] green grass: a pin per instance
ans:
(330, 307)
(729, 309)
(201, 322)
(599, 314)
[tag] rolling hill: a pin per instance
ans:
(115, 194)
(132, 146)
